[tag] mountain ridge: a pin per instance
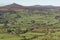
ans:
(15, 6)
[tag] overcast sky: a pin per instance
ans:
(31, 2)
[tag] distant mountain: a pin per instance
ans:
(15, 6)
(39, 7)
(43, 6)
(10, 7)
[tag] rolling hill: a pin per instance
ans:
(15, 6)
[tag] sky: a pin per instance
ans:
(31, 2)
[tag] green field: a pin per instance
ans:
(30, 25)
(30, 36)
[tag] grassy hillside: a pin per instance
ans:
(30, 25)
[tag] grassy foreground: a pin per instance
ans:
(30, 36)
